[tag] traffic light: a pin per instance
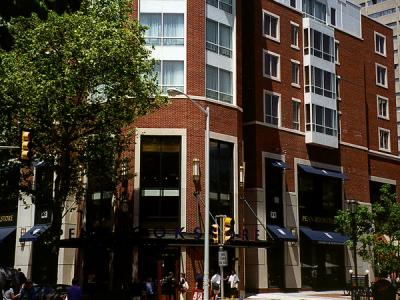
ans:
(26, 145)
(228, 229)
(215, 233)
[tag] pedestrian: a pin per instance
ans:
(383, 289)
(215, 285)
(149, 289)
(8, 291)
(75, 291)
(27, 292)
(21, 278)
(233, 281)
(183, 287)
(171, 286)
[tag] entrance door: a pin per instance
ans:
(156, 265)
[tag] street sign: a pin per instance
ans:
(222, 258)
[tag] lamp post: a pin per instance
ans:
(196, 180)
(353, 204)
(172, 92)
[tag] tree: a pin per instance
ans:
(76, 81)
(377, 229)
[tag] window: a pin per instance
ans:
(219, 84)
(384, 139)
(219, 38)
(338, 88)
(293, 3)
(271, 108)
(383, 107)
(380, 44)
(321, 45)
(337, 52)
(381, 75)
(163, 29)
(382, 13)
(315, 9)
(271, 26)
(225, 5)
(294, 33)
(333, 16)
(295, 73)
(271, 65)
(221, 178)
(321, 119)
(169, 74)
(160, 179)
(296, 114)
(322, 82)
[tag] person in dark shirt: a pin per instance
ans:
(27, 292)
(75, 291)
(383, 289)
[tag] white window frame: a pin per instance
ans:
(379, 139)
(385, 85)
(266, 92)
(278, 31)
(295, 62)
(336, 52)
(297, 26)
(379, 97)
(298, 114)
(278, 67)
(376, 35)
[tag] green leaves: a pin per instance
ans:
(377, 228)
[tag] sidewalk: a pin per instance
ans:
(309, 295)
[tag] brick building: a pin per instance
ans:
(298, 91)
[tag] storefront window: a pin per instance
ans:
(221, 178)
(160, 180)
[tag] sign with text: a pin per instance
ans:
(9, 219)
(222, 258)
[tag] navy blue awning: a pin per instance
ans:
(279, 164)
(34, 233)
(322, 172)
(281, 233)
(5, 232)
(324, 237)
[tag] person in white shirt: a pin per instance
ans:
(233, 281)
(215, 285)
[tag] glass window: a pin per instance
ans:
(295, 73)
(219, 84)
(163, 29)
(221, 178)
(383, 107)
(271, 26)
(324, 120)
(169, 74)
(333, 16)
(293, 3)
(271, 109)
(322, 82)
(296, 115)
(294, 35)
(271, 65)
(336, 52)
(384, 139)
(380, 44)
(160, 179)
(154, 30)
(381, 75)
(219, 38)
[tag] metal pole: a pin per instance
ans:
(356, 295)
(207, 208)
(221, 273)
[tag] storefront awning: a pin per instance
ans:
(324, 237)
(34, 233)
(322, 172)
(5, 232)
(281, 233)
(279, 164)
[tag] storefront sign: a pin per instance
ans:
(317, 220)
(8, 220)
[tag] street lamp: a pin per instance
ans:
(172, 92)
(196, 180)
(353, 204)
